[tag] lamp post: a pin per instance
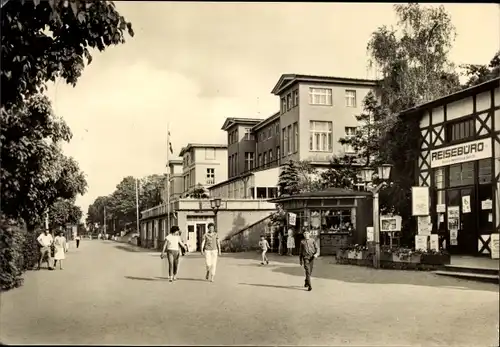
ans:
(215, 205)
(384, 172)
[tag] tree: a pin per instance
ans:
(95, 212)
(153, 190)
(342, 173)
(45, 40)
(64, 211)
(199, 192)
(289, 179)
(481, 73)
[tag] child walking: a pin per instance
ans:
(172, 244)
(264, 246)
(308, 251)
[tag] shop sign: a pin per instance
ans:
(434, 242)
(292, 218)
(461, 153)
(370, 234)
(495, 246)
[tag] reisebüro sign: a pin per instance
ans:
(464, 152)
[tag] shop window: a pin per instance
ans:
(333, 221)
(439, 178)
(484, 172)
(461, 174)
(462, 130)
(454, 198)
(272, 192)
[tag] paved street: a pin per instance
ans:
(111, 293)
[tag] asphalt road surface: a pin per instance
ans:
(111, 293)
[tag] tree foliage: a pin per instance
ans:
(478, 74)
(45, 40)
(341, 173)
(63, 212)
(198, 192)
(289, 179)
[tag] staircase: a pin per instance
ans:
(480, 274)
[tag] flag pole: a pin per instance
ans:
(168, 180)
(137, 205)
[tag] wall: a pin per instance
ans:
(243, 146)
(247, 239)
(266, 178)
(268, 143)
(341, 116)
(288, 118)
(202, 164)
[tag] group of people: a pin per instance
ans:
(290, 242)
(174, 247)
(53, 248)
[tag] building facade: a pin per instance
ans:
(315, 112)
(203, 164)
(459, 161)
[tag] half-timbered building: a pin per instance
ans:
(459, 161)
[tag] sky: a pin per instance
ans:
(192, 65)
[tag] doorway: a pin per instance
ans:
(464, 197)
(195, 234)
(200, 232)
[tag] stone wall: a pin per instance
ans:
(248, 238)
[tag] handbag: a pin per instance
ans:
(52, 250)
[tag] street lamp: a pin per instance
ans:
(384, 172)
(215, 205)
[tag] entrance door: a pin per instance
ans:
(191, 238)
(201, 228)
(467, 234)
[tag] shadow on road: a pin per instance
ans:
(133, 249)
(135, 278)
(141, 278)
(272, 286)
(358, 274)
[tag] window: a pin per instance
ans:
(265, 159)
(460, 130)
(210, 176)
(295, 137)
(260, 160)
(295, 98)
(272, 192)
(320, 136)
(270, 156)
(230, 165)
(249, 158)
(484, 171)
(320, 96)
(270, 133)
(236, 164)
(283, 105)
(249, 135)
(289, 101)
(277, 128)
(461, 174)
(261, 193)
(278, 154)
(350, 98)
(210, 153)
(350, 132)
(284, 140)
(439, 178)
(290, 138)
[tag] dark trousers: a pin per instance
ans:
(308, 267)
(173, 262)
(77, 243)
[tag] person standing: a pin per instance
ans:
(61, 247)
(290, 242)
(280, 243)
(77, 239)
(264, 246)
(308, 251)
(172, 245)
(45, 241)
(210, 248)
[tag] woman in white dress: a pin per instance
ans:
(290, 242)
(61, 247)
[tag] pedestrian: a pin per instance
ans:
(77, 239)
(210, 248)
(280, 243)
(264, 246)
(290, 242)
(308, 251)
(45, 241)
(172, 245)
(61, 247)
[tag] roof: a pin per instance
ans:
(333, 193)
(200, 145)
(174, 161)
(232, 179)
(461, 94)
(266, 121)
(287, 80)
(243, 121)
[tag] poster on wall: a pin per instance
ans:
(440, 208)
(454, 237)
(390, 223)
(420, 201)
(453, 217)
(487, 204)
(495, 246)
(292, 218)
(424, 225)
(421, 242)
(370, 234)
(466, 204)
(434, 242)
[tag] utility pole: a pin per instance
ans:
(137, 205)
(168, 181)
(104, 221)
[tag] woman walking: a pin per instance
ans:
(210, 248)
(61, 247)
(172, 245)
(290, 242)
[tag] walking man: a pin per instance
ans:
(77, 238)
(45, 241)
(210, 248)
(308, 251)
